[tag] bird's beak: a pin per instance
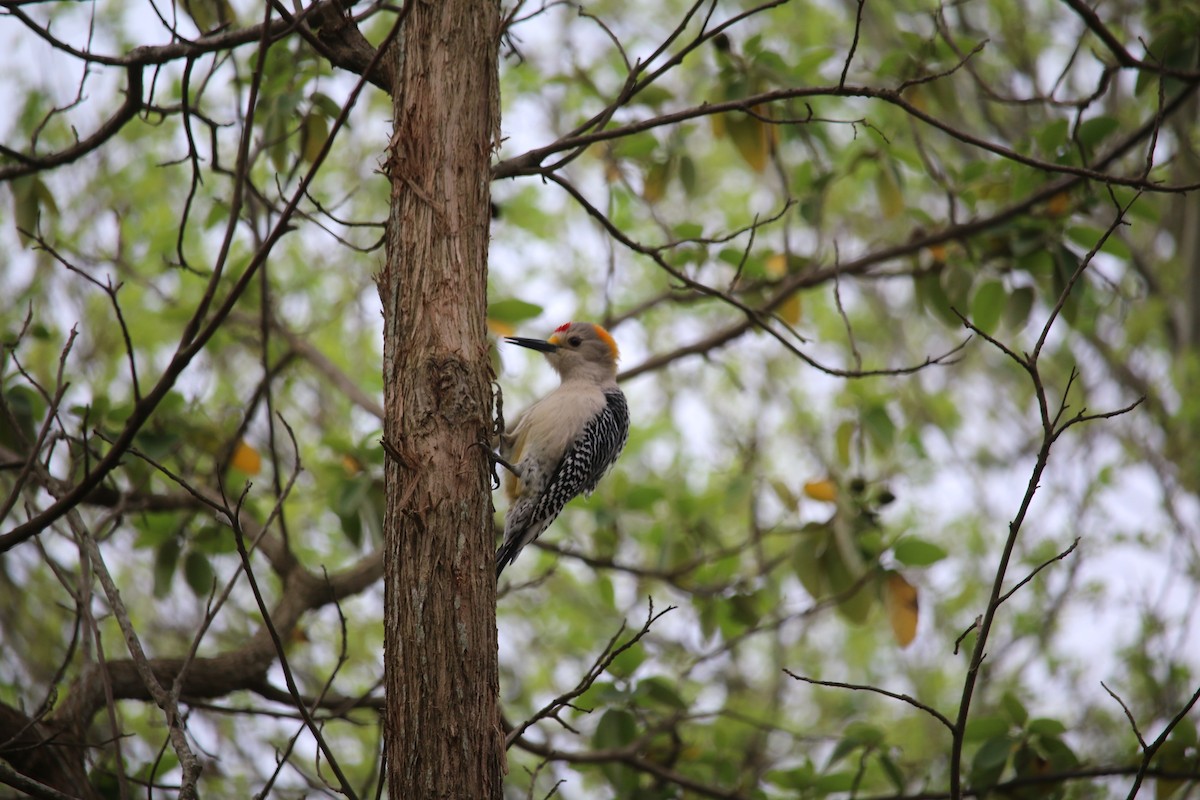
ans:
(532, 344)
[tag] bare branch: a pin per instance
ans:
(193, 340)
(912, 701)
(1128, 714)
(1039, 568)
(610, 652)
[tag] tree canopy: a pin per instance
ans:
(908, 299)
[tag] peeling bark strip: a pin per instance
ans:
(441, 675)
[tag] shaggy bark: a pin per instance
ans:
(441, 672)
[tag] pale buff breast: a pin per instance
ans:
(553, 423)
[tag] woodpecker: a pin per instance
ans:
(564, 443)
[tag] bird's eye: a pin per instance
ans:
(574, 341)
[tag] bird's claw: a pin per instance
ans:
(496, 460)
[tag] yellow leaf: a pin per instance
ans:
(916, 97)
(784, 493)
(938, 253)
(900, 598)
(789, 310)
(823, 490)
(891, 199)
(351, 465)
(717, 121)
(752, 137)
(612, 172)
(1059, 204)
(655, 184)
(776, 265)
(313, 136)
(246, 459)
(498, 328)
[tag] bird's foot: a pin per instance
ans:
(497, 460)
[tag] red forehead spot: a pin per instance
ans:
(562, 327)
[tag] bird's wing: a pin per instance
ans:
(588, 457)
(585, 461)
(512, 447)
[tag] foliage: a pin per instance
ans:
(907, 300)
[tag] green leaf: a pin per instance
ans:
(933, 298)
(1088, 236)
(1056, 751)
(914, 552)
(352, 528)
(858, 597)
(154, 529)
(166, 762)
(987, 306)
(989, 762)
(1043, 726)
(834, 782)
(1052, 136)
(326, 105)
(214, 539)
(1014, 708)
(31, 197)
(892, 770)
(513, 311)
(642, 496)
(624, 665)
(744, 608)
(28, 407)
(843, 438)
(1093, 131)
(806, 558)
(799, 778)
(636, 147)
(877, 422)
(661, 691)
(687, 174)
(985, 727)
(653, 95)
(1175, 48)
(994, 751)
(1175, 756)
(157, 444)
(1066, 263)
(165, 561)
(616, 728)
(198, 572)
(856, 735)
(1016, 310)
(351, 498)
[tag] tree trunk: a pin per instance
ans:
(441, 675)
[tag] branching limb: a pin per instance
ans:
(1039, 568)
(197, 334)
(610, 652)
(757, 318)
(1052, 426)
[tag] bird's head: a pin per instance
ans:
(577, 349)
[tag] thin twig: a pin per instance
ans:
(858, 687)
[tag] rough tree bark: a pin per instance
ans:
(441, 675)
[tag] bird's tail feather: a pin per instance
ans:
(505, 555)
